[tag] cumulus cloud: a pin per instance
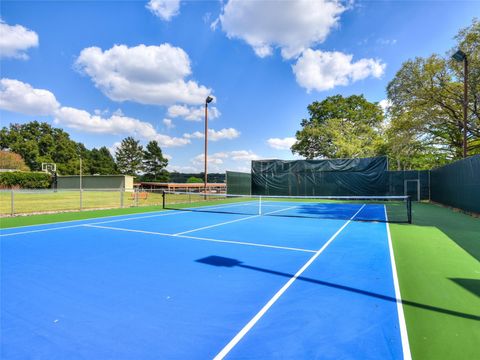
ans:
(15, 40)
(281, 144)
(321, 70)
(164, 9)
(214, 135)
(144, 74)
(291, 26)
(168, 123)
(192, 113)
(20, 97)
(115, 124)
(385, 104)
(219, 161)
(17, 96)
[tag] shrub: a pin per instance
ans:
(25, 180)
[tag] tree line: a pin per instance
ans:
(27, 146)
(423, 124)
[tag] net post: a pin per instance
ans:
(163, 199)
(260, 205)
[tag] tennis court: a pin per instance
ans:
(293, 280)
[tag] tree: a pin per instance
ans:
(39, 142)
(129, 156)
(10, 160)
(102, 162)
(340, 127)
(154, 163)
(193, 179)
(427, 96)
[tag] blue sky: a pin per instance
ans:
(104, 70)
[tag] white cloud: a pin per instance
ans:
(319, 70)
(385, 104)
(164, 9)
(214, 135)
(115, 124)
(243, 155)
(144, 74)
(291, 26)
(168, 123)
(15, 40)
(220, 161)
(192, 113)
(22, 98)
(281, 144)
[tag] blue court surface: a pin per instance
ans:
(203, 285)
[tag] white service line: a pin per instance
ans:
(203, 238)
(401, 317)
(232, 221)
(279, 293)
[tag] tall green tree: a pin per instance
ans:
(340, 127)
(39, 142)
(427, 98)
(129, 156)
(102, 162)
(154, 162)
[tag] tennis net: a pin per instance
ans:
(372, 208)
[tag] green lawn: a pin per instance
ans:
(438, 264)
(49, 201)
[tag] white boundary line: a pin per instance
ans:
(224, 352)
(157, 214)
(401, 316)
(202, 238)
(232, 221)
(39, 230)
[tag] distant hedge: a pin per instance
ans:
(25, 180)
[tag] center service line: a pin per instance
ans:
(280, 292)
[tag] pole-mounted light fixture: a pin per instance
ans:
(208, 100)
(461, 56)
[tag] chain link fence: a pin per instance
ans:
(41, 201)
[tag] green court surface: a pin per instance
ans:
(438, 265)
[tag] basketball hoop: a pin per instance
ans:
(49, 168)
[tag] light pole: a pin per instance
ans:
(461, 56)
(208, 100)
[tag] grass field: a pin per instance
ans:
(49, 201)
(438, 264)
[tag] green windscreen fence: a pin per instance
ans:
(457, 184)
(332, 177)
(239, 183)
(414, 183)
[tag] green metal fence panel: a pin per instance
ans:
(239, 183)
(457, 184)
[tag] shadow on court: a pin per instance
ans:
(228, 262)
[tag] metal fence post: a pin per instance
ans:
(81, 199)
(12, 202)
(121, 198)
(136, 197)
